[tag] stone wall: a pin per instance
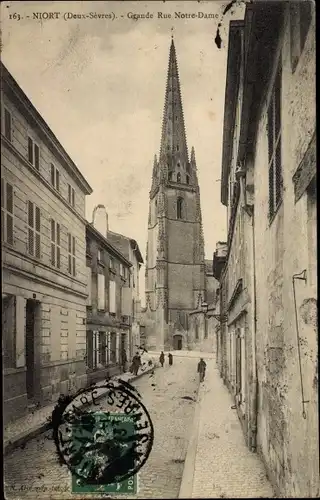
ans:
(288, 442)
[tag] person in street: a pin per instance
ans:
(124, 360)
(161, 359)
(136, 363)
(202, 369)
(170, 358)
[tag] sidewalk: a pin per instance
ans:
(22, 430)
(218, 463)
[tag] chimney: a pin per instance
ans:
(100, 220)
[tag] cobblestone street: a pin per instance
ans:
(33, 472)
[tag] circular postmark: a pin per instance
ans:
(105, 445)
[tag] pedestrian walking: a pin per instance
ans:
(202, 369)
(136, 363)
(161, 359)
(124, 360)
(170, 358)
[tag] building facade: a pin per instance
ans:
(109, 311)
(130, 249)
(43, 259)
(175, 268)
(268, 291)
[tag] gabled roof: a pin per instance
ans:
(23, 103)
(103, 240)
(118, 240)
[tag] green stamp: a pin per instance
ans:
(96, 437)
(129, 487)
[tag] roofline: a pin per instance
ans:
(107, 244)
(231, 93)
(32, 113)
(134, 245)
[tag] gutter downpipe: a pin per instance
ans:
(249, 210)
(254, 405)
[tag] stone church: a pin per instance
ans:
(175, 265)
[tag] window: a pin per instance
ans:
(170, 176)
(55, 177)
(178, 165)
(34, 228)
(8, 330)
(33, 153)
(111, 264)
(180, 208)
(99, 255)
(177, 147)
(121, 270)
(6, 212)
(274, 147)
(113, 347)
(187, 179)
(55, 244)
(71, 255)
(96, 349)
(300, 18)
(7, 125)
(71, 195)
(178, 177)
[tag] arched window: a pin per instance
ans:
(187, 179)
(178, 165)
(180, 208)
(177, 147)
(178, 177)
(170, 176)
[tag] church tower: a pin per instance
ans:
(175, 268)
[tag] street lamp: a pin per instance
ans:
(204, 307)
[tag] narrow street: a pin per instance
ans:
(34, 472)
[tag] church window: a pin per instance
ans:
(170, 176)
(187, 179)
(180, 208)
(178, 177)
(177, 147)
(178, 164)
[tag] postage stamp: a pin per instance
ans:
(102, 428)
(103, 447)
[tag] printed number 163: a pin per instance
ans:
(15, 16)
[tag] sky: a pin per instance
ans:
(99, 84)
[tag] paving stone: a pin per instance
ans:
(224, 466)
(36, 466)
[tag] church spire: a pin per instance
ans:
(173, 147)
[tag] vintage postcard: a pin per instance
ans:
(159, 249)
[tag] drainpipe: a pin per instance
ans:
(249, 209)
(254, 402)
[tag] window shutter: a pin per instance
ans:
(30, 214)
(36, 156)
(112, 297)
(30, 150)
(52, 175)
(101, 292)
(89, 285)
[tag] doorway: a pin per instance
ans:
(32, 354)
(177, 342)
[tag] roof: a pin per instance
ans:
(11, 87)
(260, 33)
(118, 239)
(231, 97)
(111, 248)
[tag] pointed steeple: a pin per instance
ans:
(173, 147)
